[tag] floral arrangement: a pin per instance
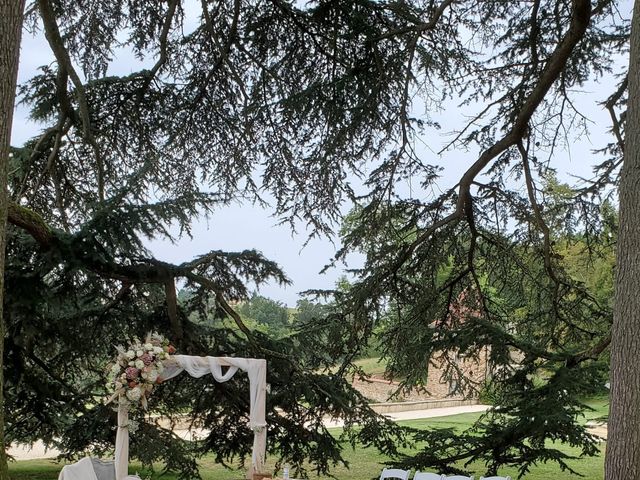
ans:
(137, 369)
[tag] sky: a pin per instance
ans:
(245, 226)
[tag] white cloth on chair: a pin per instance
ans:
(91, 469)
(104, 469)
(82, 470)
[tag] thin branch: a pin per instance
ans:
(62, 127)
(538, 217)
(164, 36)
(610, 106)
(471, 122)
(52, 33)
(214, 41)
(226, 48)
(172, 308)
(533, 35)
(591, 354)
(421, 27)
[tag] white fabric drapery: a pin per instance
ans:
(122, 442)
(198, 367)
(82, 470)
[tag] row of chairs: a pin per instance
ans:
(396, 473)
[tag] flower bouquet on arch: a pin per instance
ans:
(137, 369)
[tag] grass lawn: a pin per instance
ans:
(366, 463)
(372, 366)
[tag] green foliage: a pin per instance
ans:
(55, 389)
(312, 105)
(535, 327)
(264, 311)
(307, 311)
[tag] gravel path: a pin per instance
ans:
(418, 414)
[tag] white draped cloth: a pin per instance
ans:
(198, 367)
(82, 470)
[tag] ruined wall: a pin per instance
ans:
(438, 388)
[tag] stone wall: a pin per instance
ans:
(438, 387)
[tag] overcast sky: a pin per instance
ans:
(240, 227)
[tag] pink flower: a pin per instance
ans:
(147, 358)
(132, 373)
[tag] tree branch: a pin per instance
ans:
(172, 308)
(149, 272)
(610, 106)
(52, 33)
(164, 35)
(421, 27)
(32, 223)
(551, 72)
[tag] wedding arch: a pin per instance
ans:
(256, 370)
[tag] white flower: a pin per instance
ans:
(133, 426)
(155, 346)
(134, 394)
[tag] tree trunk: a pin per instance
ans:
(623, 445)
(11, 12)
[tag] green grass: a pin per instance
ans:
(372, 366)
(592, 467)
(366, 463)
(600, 406)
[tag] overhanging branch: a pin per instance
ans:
(149, 272)
(555, 65)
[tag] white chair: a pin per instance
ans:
(427, 476)
(495, 478)
(457, 477)
(91, 469)
(395, 473)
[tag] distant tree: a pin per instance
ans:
(308, 311)
(267, 312)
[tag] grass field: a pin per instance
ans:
(365, 463)
(372, 366)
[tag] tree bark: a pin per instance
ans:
(11, 12)
(623, 446)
